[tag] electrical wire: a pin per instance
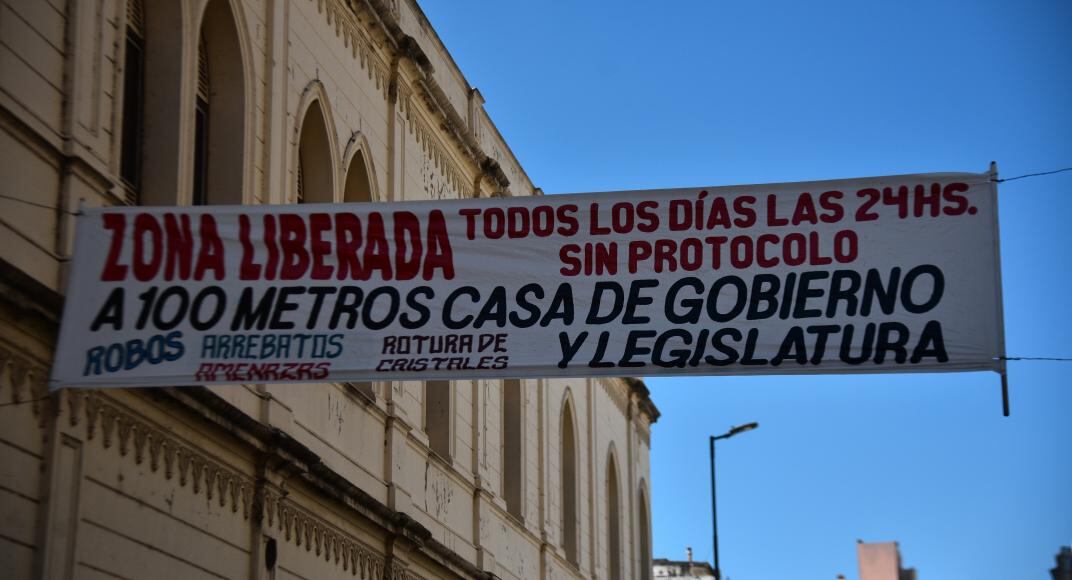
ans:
(41, 205)
(37, 400)
(1031, 175)
(1036, 358)
(46, 206)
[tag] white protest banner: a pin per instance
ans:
(884, 274)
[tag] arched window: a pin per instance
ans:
(569, 484)
(643, 529)
(201, 128)
(220, 110)
(358, 189)
(152, 77)
(614, 521)
(437, 412)
(358, 180)
(133, 100)
(315, 183)
(513, 460)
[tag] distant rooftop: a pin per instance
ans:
(693, 568)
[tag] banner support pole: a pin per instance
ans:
(1005, 392)
(1003, 368)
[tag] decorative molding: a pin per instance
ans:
(132, 435)
(344, 17)
(618, 392)
(638, 388)
(28, 379)
(644, 431)
(435, 153)
(298, 525)
(143, 440)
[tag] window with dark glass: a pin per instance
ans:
(437, 411)
(201, 119)
(569, 485)
(130, 155)
(614, 521)
(513, 453)
(315, 179)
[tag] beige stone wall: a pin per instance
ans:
(206, 482)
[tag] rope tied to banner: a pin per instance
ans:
(1035, 358)
(77, 213)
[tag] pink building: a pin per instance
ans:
(881, 561)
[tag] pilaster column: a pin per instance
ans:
(275, 102)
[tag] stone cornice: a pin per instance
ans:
(384, 14)
(122, 428)
(613, 388)
(132, 435)
(104, 416)
(317, 475)
(28, 379)
(638, 388)
(451, 120)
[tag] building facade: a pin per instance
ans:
(1063, 569)
(881, 561)
(687, 569)
(165, 102)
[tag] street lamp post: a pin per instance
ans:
(714, 514)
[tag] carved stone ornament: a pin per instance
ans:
(206, 475)
(28, 379)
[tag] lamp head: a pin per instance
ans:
(742, 429)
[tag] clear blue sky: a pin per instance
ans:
(597, 96)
